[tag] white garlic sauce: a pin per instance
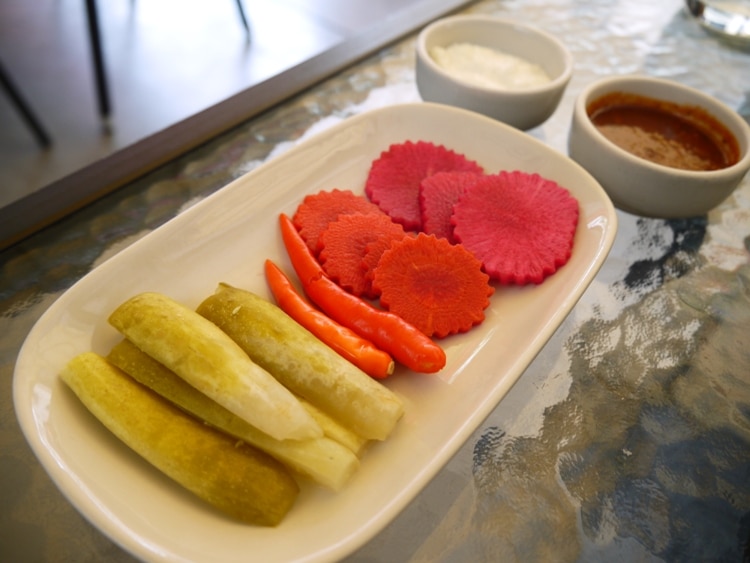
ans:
(482, 66)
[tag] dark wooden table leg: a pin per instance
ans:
(102, 88)
(40, 134)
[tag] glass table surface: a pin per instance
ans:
(628, 436)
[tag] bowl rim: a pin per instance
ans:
(705, 101)
(556, 83)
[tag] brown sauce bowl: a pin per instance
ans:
(657, 147)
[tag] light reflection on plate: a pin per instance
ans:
(226, 238)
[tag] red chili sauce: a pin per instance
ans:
(663, 132)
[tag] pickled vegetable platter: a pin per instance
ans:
(226, 239)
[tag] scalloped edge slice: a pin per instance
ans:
(343, 246)
(317, 210)
(394, 177)
(437, 196)
(436, 286)
(520, 225)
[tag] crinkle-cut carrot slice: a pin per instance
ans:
(437, 196)
(394, 177)
(318, 210)
(343, 245)
(373, 252)
(436, 286)
(521, 226)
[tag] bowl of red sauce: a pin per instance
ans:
(659, 148)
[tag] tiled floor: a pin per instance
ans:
(167, 60)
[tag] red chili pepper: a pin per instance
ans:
(362, 353)
(387, 331)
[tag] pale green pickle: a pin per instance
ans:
(302, 363)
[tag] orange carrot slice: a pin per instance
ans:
(343, 245)
(373, 251)
(318, 210)
(438, 287)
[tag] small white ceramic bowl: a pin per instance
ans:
(522, 109)
(642, 187)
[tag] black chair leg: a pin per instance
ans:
(243, 17)
(40, 134)
(97, 54)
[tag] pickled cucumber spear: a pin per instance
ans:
(322, 459)
(242, 481)
(209, 360)
(303, 363)
(335, 430)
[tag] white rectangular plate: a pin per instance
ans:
(226, 238)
